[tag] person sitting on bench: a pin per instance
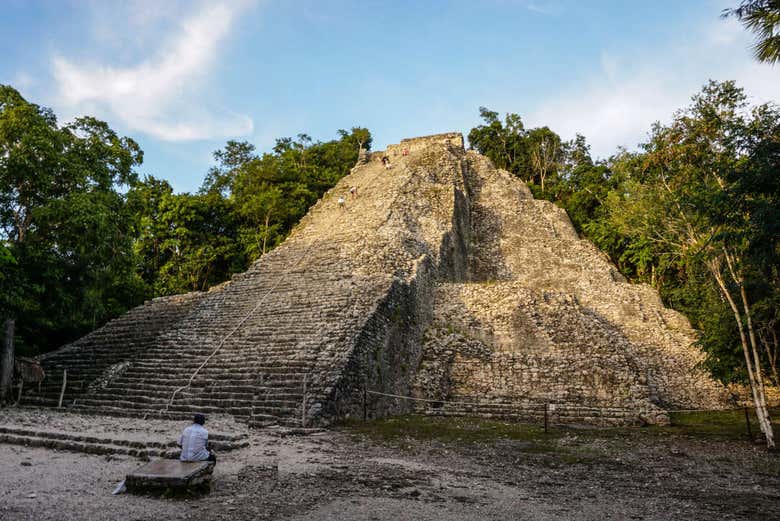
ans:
(194, 442)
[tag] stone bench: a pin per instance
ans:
(169, 475)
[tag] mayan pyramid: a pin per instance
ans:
(443, 280)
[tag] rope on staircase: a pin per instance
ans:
(237, 327)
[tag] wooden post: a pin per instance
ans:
(546, 409)
(21, 386)
(747, 422)
(303, 407)
(64, 383)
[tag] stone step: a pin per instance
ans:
(275, 410)
(216, 376)
(111, 444)
(175, 412)
(261, 420)
(120, 411)
(230, 405)
(55, 388)
(560, 413)
(144, 394)
(291, 358)
(89, 448)
(282, 394)
(215, 366)
(185, 405)
(267, 403)
(40, 400)
(118, 402)
(192, 359)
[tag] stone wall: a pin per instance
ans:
(547, 319)
(500, 342)
(387, 351)
(434, 215)
(452, 140)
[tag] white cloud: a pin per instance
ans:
(161, 94)
(619, 102)
(544, 7)
(23, 81)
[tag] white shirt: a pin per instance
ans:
(193, 443)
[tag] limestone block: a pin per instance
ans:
(168, 474)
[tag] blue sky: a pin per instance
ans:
(183, 77)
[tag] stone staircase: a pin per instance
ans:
(91, 358)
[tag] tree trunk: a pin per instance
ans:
(764, 418)
(7, 360)
(768, 431)
(756, 389)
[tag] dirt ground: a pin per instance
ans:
(420, 468)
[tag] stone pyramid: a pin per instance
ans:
(443, 280)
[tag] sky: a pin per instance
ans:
(184, 77)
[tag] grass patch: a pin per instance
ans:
(445, 430)
(515, 442)
(718, 424)
(558, 448)
(726, 425)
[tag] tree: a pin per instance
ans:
(184, 242)
(537, 156)
(696, 204)
(546, 154)
(504, 143)
(762, 17)
(359, 135)
(64, 223)
(234, 156)
(8, 295)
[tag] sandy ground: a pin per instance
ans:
(349, 476)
